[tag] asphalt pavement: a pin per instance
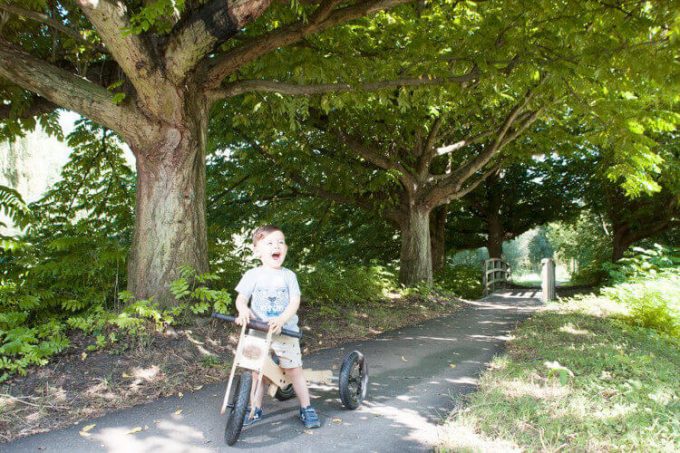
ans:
(417, 377)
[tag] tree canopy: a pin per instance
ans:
(426, 97)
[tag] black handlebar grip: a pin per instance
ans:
(258, 325)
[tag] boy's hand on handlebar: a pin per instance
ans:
(243, 317)
(276, 324)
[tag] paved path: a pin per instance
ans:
(417, 376)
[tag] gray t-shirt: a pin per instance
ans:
(269, 291)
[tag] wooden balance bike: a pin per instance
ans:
(254, 353)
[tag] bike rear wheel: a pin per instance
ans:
(353, 380)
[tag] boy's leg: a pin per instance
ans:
(308, 415)
(299, 384)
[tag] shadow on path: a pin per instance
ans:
(417, 376)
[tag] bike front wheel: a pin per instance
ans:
(238, 405)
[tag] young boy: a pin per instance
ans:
(275, 297)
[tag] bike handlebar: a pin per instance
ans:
(258, 325)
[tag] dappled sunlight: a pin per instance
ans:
(141, 376)
(664, 396)
(596, 306)
(605, 412)
(146, 374)
(544, 389)
(420, 428)
(569, 328)
(423, 337)
(101, 390)
(198, 344)
(173, 437)
(489, 338)
(465, 380)
(460, 436)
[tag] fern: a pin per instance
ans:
(14, 207)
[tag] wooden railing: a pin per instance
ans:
(496, 275)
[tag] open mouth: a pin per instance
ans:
(276, 255)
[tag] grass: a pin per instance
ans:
(534, 279)
(578, 377)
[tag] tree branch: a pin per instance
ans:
(443, 150)
(231, 61)
(270, 86)
(483, 158)
(442, 195)
(69, 91)
(428, 152)
(204, 30)
(110, 17)
(318, 191)
(45, 19)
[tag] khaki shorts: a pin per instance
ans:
(286, 348)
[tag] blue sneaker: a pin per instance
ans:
(309, 418)
(257, 416)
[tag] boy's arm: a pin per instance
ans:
(276, 324)
(243, 310)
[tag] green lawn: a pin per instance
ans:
(576, 377)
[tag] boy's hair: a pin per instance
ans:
(263, 231)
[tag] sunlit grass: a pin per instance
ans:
(577, 377)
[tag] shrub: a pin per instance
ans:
(641, 263)
(462, 280)
(329, 284)
(654, 302)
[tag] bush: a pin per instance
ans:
(464, 281)
(329, 284)
(640, 263)
(654, 302)
(647, 281)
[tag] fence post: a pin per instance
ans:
(547, 279)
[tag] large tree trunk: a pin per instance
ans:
(438, 237)
(619, 247)
(170, 216)
(416, 252)
(495, 234)
(494, 242)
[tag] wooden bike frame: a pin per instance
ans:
(254, 353)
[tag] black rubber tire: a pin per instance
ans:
(353, 380)
(285, 393)
(239, 404)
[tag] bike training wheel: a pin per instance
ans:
(238, 404)
(353, 380)
(285, 393)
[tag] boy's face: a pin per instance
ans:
(272, 249)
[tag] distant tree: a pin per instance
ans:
(515, 199)
(654, 207)
(539, 248)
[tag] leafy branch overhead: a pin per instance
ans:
(472, 81)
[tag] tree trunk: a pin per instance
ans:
(619, 245)
(494, 242)
(495, 234)
(438, 237)
(416, 252)
(170, 215)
